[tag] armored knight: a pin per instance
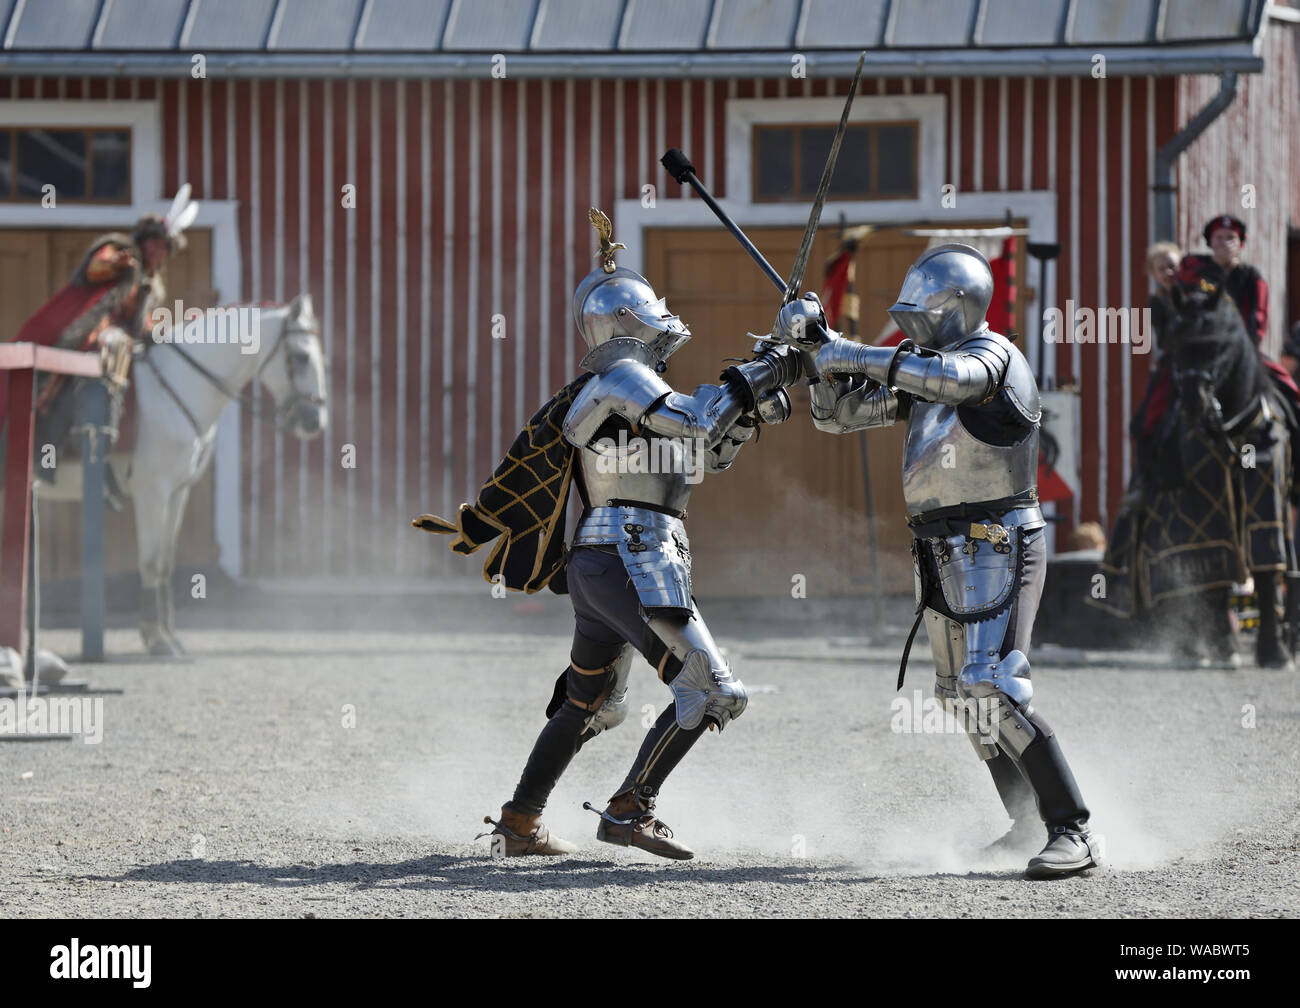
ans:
(637, 448)
(970, 461)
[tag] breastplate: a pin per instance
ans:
(944, 464)
(656, 471)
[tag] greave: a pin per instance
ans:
(1059, 802)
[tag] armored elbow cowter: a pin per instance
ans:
(703, 417)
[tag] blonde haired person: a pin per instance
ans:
(1162, 266)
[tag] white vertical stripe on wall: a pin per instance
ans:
(620, 145)
(448, 384)
(182, 132)
(401, 332)
(304, 284)
(977, 136)
(1029, 137)
(277, 295)
(544, 253)
(232, 181)
(782, 91)
(1104, 255)
(907, 85)
(954, 125)
(684, 141)
(642, 132)
(373, 464)
(207, 137)
(497, 306)
(1002, 134)
(1050, 358)
(1151, 159)
(710, 140)
(1075, 248)
(255, 295)
(661, 113)
(426, 287)
(570, 233)
(473, 327)
(596, 146)
(350, 331)
(1051, 134)
(1126, 276)
(329, 444)
(522, 331)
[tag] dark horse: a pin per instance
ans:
(1210, 498)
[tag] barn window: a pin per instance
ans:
(878, 161)
(84, 165)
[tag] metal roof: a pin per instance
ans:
(629, 38)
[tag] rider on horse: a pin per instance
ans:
(106, 306)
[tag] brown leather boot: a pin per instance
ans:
(526, 834)
(629, 821)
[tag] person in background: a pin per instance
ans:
(1226, 236)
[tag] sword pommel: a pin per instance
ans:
(678, 165)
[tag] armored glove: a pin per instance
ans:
(802, 324)
(772, 369)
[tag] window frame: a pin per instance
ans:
(930, 110)
(87, 131)
(872, 195)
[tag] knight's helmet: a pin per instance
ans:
(945, 295)
(615, 301)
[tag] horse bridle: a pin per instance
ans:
(245, 400)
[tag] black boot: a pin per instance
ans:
(1017, 796)
(1071, 847)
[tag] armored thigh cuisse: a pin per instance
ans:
(655, 555)
(971, 587)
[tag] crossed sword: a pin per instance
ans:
(679, 166)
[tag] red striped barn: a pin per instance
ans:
(475, 137)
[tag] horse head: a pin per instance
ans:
(298, 383)
(1215, 363)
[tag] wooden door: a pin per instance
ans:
(794, 503)
(34, 264)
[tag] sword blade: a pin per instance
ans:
(805, 249)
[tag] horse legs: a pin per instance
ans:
(153, 529)
(176, 514)
(1270, 652)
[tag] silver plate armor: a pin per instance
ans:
(840, 409)
(943, 463)
(621, 302)
(993, 694)
(613, 711)
(674, 439)
(941, 306)
(704, 687)
(653, 547)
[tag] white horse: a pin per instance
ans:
(182, 384)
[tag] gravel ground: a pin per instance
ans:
(311, 771)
